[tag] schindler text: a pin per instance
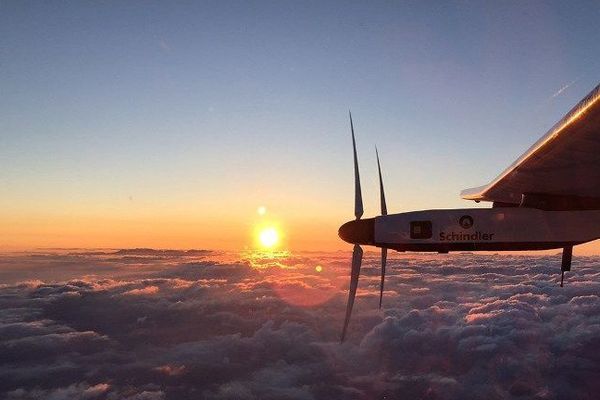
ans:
(476, 236)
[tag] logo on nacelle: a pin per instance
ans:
(466, 221)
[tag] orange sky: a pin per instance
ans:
(172, 230)
(181, 231)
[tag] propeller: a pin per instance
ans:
(357, 252)
(383, 212)
(361, 231)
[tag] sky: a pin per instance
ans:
(167, 124)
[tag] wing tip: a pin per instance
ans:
(476, 193)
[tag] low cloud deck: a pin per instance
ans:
(106, 325)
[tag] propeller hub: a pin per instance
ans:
(359, 231)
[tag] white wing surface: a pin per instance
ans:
(565, 162)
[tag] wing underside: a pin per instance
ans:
(564, 162)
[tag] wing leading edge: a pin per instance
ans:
(565, 162)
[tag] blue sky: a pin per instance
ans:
(214, 108)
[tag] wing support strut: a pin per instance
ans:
(567, 256)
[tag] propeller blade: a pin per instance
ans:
(357, 254)
(381, 191)
(358, 203)
(383, 263)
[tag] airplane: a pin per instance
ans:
(549, 198)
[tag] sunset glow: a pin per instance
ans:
(268, 237)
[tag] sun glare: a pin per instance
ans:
(268, 237)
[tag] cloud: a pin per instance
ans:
(563, 88)
(72, 392)
(175, 325)
(148, 290)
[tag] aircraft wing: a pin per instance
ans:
(564, 163)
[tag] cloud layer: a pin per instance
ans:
(149, 324)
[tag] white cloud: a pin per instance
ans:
(183, 326)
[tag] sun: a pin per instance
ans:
(268, 237)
